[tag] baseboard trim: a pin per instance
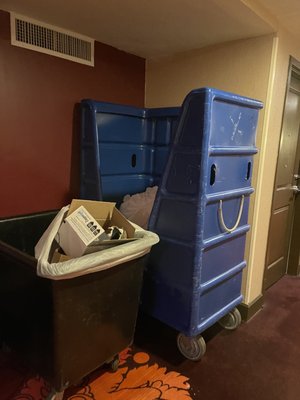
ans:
(249, 310)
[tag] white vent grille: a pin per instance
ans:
(48, 39)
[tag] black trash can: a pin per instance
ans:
(63, 329)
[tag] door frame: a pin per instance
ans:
(294, 68)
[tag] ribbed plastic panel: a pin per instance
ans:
(123, 149)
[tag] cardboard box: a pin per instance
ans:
(59, 257)
(83, 230)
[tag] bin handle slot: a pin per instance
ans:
(221, 217)
(133, 160)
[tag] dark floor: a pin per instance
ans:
(260, 360)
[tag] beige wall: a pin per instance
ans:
(242, 67)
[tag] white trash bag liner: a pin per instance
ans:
(89, 263)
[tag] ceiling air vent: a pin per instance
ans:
(38, 36)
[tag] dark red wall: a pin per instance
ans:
(39, 151)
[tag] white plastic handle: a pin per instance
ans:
(221, 218)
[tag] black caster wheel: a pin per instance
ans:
(4, 348)
(192, 348)
(231, 320)
(55, 396)
(114, 364)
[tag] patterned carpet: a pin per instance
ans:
(136, 378)
(259, 360)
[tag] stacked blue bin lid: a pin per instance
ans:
(201, 156)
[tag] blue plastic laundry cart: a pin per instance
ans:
(200, 155)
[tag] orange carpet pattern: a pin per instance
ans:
(136, 379)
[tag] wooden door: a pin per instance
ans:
(285, 189)
(294, 251)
